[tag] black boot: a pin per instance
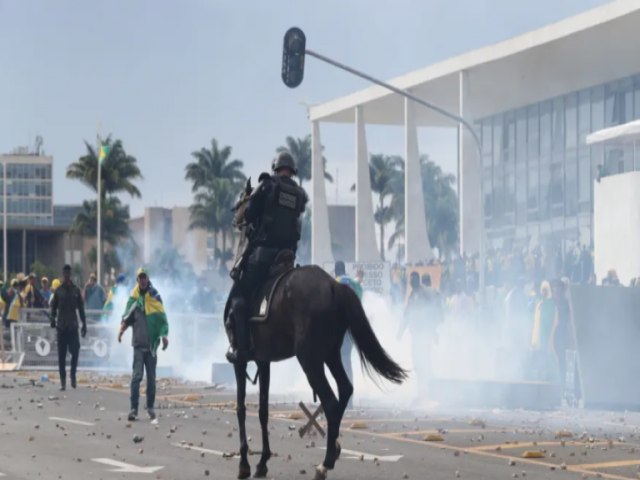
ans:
(240, 352)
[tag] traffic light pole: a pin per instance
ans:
(441, 111)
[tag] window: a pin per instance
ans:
(521, 167)
(533, 132)
(584, 116)
(557, 125)
(571, 183)
(571, 122)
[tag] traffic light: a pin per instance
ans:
(293, 57)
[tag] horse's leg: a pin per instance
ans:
(320, 385)
(345, 389)
(244, 470)
(264, 373)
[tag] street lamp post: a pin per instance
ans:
(292, 74)
(4, 221)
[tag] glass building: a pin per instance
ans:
(538, 171)
(29, 189)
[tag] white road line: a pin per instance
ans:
(71, 420)
(122, 467)
(198, 449)
(354, 455)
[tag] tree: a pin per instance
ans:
(211, 165)
(115, 218)
(216, 183)
(386, 177)
(441, 207)
(119, 170)
(300, 150)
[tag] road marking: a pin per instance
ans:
(354, 455)
(515, 446)
(614, 464)
(71, 420)
(199, 449)
(122, 467)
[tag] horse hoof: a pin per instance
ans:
(261, 471)
(321, 473)
(244, 472)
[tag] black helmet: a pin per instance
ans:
(284, 160)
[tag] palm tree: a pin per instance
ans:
(386, 177)
(119, 170)
(115, 218)
(441, 207)
(300, 150)
(216, 183)
(213, 164)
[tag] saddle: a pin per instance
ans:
(260, 301)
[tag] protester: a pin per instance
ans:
(114, 291)
(94, 295)
(561, 335)
(422, 315)
(17, 299)
(32, 296)
(66, 304)
(45, 291)
(544, 361)
(145, 313)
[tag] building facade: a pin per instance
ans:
(29, 185)
(525, 173)
(538, 170)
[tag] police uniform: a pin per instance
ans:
(273, 215)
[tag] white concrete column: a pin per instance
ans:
(366, 247)
(417, 247)
(470, 172)
(320, 234)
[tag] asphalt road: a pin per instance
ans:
(83, 433)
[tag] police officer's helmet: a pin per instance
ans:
(284, 160)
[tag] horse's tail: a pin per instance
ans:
(372, 354)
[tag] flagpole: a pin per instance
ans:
(99, 215)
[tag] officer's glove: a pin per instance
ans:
(53, 323)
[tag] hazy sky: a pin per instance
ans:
(167, 76)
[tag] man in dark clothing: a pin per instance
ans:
(273, 216)
(66, 304)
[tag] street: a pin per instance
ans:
(84, 433)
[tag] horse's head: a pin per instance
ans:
(241, 205)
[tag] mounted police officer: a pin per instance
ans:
(273, 219)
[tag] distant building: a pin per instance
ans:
(532, 100)
(159, 228)
(36, 229)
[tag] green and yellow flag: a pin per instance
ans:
(151, 304)
(104, 153)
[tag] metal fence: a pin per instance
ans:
(34, 342)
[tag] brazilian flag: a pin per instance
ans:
(104, 153)
(151, 304)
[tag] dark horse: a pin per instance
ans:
(309, 316)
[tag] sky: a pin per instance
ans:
(166, 77)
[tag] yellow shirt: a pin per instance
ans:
(14, 309)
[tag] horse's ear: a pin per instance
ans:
(247, 187)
